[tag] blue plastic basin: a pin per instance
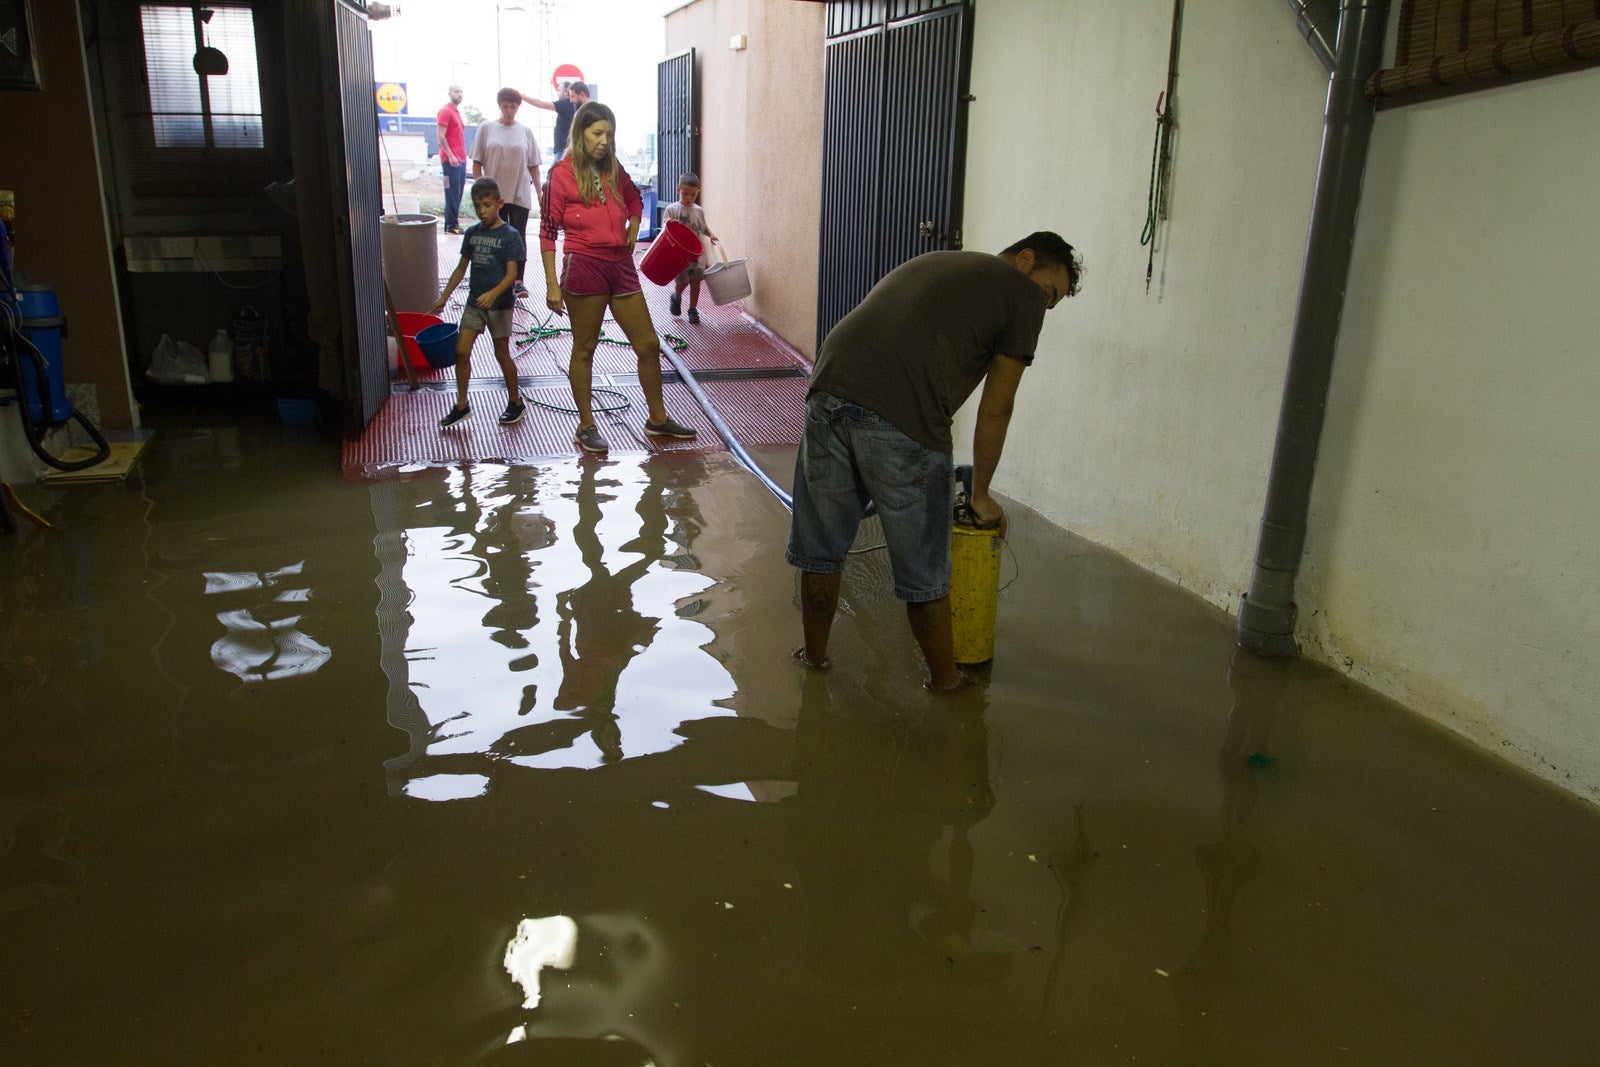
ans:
(438, 344)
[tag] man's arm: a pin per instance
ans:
(444, 148)
(547, 105)
(989, 436)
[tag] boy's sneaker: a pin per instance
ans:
(588, 438)
(668, 427)
(675, 304)
(513, 413)
(454, 415)
(694, 316)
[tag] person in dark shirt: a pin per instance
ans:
(573, 95)
(493, 248)
(885, 389)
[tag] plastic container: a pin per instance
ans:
(974, 592)
(411, 324)
(676, 248)
(438, 344)
(727, 281)
(411, 260)
(219, 357)
(44, 325)
(249, 332)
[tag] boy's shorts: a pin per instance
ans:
(850, 455)
(476, 319)
(583, 275)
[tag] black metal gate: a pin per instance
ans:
(677, 127)
(894, 141)
(360, 257)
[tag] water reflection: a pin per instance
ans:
(881, 830)
(1234, 860)
(544, 617)
(261, 644)
(605, 999)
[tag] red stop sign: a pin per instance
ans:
(566, 72)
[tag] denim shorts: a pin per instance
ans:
(587, 276)
(850, 456)
(497, 322)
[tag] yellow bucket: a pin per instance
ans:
(974, 592)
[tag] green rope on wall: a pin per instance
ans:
(1158, 179)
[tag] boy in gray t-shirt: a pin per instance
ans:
(692, 215)
(493, 249)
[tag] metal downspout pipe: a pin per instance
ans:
(1267, 611)
(1315, 24)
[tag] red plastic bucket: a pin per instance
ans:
(676, 248)
(411, 324)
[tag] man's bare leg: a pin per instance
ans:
(930, 625)
(819, 600)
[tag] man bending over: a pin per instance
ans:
(886, 386)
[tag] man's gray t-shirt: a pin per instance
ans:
(922, 340)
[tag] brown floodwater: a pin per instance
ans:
(509, 764)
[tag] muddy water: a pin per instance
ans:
(289, 761)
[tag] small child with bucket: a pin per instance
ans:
(493, 247)
(692, 215)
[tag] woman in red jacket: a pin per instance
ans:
(594, 202)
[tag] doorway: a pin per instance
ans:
(895, 95)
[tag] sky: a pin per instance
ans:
(431, 44)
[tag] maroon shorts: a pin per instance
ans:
(586, 276)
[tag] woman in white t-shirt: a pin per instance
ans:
(506, 151)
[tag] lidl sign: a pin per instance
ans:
(391, 98)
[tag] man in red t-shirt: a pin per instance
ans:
(452, 159)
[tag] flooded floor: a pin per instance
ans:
(509, 764)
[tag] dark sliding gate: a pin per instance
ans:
(894, 141)
(677, 127)
(359, 251)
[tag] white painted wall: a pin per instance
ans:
(1455, 553)
(1452, 560)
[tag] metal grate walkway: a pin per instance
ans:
(755, 380)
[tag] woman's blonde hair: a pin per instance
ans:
(589, 173)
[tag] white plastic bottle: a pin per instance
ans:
(220, 357)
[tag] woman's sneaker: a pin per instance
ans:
(453, 416)
(588, 438)
(513, 413)
(668, 427)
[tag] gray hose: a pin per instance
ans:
(722, 428)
